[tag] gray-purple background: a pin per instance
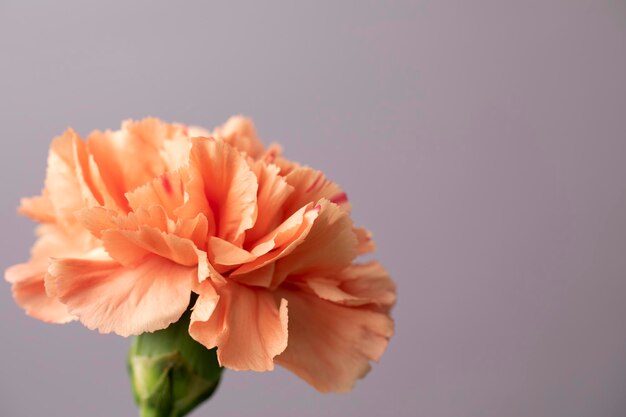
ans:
(483, 142)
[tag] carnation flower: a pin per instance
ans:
(139, 223)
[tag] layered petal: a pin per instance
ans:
(279, 243)
(132, 247)
(329, 247)
(311, 185)
(139, 218)
(248, 326)
(110, 297)
(133, 156)
(272, 193)
(69, 185)
(273, 155)
(29, 293)
(222, 186)
(165, 191)
(224, 253)
(27, 279)
(239, 132)
(68, 180)
(98, 219)
(194, 229)
(365, 242)
(38, 208)
(357, 285)
(129, 238)
(330, 346)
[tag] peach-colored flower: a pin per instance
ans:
(138, 220)
(82, 175)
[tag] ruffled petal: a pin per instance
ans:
(195, 229)
(175, 148)
(58, 241)
(273, 155)
(279, 243)
(131, 247)
(286, 166)
(365, 242)
(98, 219)
(357, 285)
(239, 132)
(248, 326)
(69, 185)
(288, 231)
(29, 293)
(130, 238)
(330, 346)
(107, 296)
(272, 193)
(27, 279)
(311, 185)
(226, 254)
(133, 156)
(220, 176)
(38, 208)
(165, 191)
(329, 247)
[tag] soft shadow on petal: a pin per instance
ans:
(134, 155)
(272, 194)
(165, 191)
(311, 185)
(330, 346)
(129, 247)
(288, 231)
(330, 246)
(226, 254)
(27, 279)
(221, 176)
(126, 300)
(279, 243)
(29, 293)
(248, 326)
(195, 229)
(359, 284)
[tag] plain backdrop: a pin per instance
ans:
(483, 142)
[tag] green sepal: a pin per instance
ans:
(170, 372)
